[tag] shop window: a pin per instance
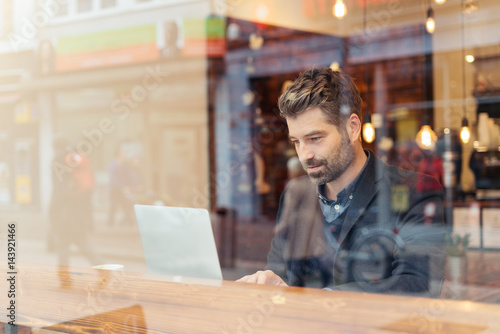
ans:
(62, 9)
(108, 4)
(55, 9)
(84, 6)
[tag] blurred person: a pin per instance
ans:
(301, 229)
(71, 207)
(262, 187)
(46, 56)
(124, 183)
(431, 164)
(376, 235)
(294, 168)
(171, 32)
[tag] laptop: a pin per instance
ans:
(178, 241)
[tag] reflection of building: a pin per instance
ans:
(19, 183)
(101, 81)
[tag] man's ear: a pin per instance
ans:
(353, 128)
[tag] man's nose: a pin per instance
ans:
(305, 153)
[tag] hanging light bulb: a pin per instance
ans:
(426, 138)
(368, 130)
(368, 133)
(440, 2)
(465, 133)
(339, 9)
(430, 24)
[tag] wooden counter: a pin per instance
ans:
(80, 300)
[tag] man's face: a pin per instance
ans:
(325, 153)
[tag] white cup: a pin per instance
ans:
(110, 266)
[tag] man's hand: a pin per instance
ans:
(263, 277)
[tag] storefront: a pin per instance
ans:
(130, 96)
(19, 180)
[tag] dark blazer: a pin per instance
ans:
(391, 240)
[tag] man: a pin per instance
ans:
(70, 208)
(380, 233)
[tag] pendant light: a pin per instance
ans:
(339, 9)
(368, 128)
(464, 133)
(430, 24)
(440, 2)
(426, 138)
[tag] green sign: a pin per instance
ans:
(107, 40)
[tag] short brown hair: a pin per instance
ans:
(333, 92)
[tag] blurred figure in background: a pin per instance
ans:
(431, 164)
(124, 184)
(71, 208)
(301, 227)
(294, 168)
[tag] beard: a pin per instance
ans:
(334, 166)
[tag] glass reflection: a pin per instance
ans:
(106, 104)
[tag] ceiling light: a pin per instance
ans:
(426, 138)
(339, 9)
(430, 24)
(368, 132)
(465, 133)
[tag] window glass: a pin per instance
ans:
(7, 24)
(84, 6)
(62, 9)
(108, 3)
(331, 150)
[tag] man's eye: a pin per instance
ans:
(315, 138)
